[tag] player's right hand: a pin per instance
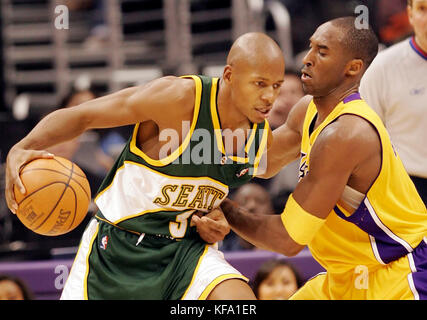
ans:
(16, 159)
(212, 227)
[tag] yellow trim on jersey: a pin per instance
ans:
(178, 177)
(217, 281)
(217, 127)
(159, 173)
(175, 154)
(215, 119)
(261, 147)
(251, 137)
(74, 262)
(150, 211)
(87, 263)
(195, 271)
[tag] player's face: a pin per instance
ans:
(418, 18)
(255, 88)
(324, 64)
(279, 285)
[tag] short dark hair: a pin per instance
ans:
(362, 43)
(267, 267)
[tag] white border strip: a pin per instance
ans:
(375, 250)
(384, 228)
(410, 277)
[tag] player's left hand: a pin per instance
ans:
(212, 227)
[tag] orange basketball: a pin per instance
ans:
(57, 196)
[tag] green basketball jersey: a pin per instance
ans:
(158, 197)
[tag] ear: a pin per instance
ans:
(355, 67)
(409, 11)
(227, 73)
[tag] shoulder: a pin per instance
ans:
(349, 135)
(167, 96)
(171, 88)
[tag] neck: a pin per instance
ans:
(325, 104)
(230, 116)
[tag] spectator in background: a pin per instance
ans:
(290, 93)
(395, 86)
(99, 33)
(392, 20)
(99, 30)
(69, 149)
(276, 279)
(255, 199)
(281, 185)
(13, 288)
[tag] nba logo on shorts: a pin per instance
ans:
(104, 242)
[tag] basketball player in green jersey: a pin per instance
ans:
(141, 244)
(355, 206)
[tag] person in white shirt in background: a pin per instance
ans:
(395, 86)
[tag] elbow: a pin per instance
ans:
(77, 119)
(291, 252)
(290, 248)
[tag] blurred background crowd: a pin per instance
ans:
(55, 57)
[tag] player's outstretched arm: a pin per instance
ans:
(286, 142)
(132, 105)
(339, 152)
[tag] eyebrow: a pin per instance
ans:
(320, 46)
(262, 78)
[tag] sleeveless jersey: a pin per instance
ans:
(390, 222)
(158, 197)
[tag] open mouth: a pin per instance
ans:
(264, 111)
(305, 76)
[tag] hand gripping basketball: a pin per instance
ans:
(57, 196)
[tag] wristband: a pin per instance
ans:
(300, 225)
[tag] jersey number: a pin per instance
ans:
(177, 228)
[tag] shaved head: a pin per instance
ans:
(252, 49)
(253, 75)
